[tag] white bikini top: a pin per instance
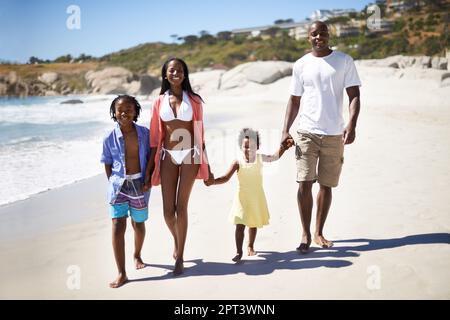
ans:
(185, 112)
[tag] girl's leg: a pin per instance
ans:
(119, 226)
(239, 237)
(169, 181)
(251, 241)
(188, 172)
(139, 235)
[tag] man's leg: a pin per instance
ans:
(324, 198)
(305, 204)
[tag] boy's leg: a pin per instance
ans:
(239, 237)
(119, 226)
(139, 235)
(251, 241)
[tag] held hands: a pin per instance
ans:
(286, 141)
(210, 180)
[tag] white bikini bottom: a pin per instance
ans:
(178, 156)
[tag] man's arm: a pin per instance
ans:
(292, 109)
(354, 106)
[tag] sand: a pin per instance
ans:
(389, 217)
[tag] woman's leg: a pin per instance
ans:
(188, 173)
(169, 181)
(239, 238)
(251, 241)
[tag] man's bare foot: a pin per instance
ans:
(179, 267)
(322, 242)
(251, 251)
(303, 248)
(139, 263)
(237, 257)
(120, 281)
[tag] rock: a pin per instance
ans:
(48, 77)
(109, 80)
(262, 72)
(148, 84)
(445, 79)
(439, 63)
(50, 93)
(206, 81)
(72, 101)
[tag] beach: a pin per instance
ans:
(389, 219)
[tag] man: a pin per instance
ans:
(319, 79)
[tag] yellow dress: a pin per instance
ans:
(250, 205)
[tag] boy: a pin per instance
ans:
(126, 151)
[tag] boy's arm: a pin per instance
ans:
(149, 169)
(234, 167)
(108, 170)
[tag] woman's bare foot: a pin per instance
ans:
(303, 248)
(120, 281)
(179, 267)
(139, 263)
(237, 257)
(322, 242)
(251, 251)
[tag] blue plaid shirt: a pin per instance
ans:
(114, 155)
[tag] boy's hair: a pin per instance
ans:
(186, 84)
(250, 134)
(137, 106)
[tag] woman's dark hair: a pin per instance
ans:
(186, 85)
(250, 134)
(137, 106)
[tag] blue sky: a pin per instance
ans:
(38, 27)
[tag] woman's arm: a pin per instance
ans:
(234, 167)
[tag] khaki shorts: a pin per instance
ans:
(319, 158)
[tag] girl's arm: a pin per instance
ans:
(277, 155)
(234, 167)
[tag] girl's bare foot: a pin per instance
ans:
(139, 263)
(179, 267)
(120, 281)
(237, 257)
(322, 242)
(251, 251)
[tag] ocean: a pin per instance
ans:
(45, 144)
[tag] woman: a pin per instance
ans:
(178, 154)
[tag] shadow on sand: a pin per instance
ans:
(268, 261)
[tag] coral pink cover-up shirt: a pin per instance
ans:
(157, 134)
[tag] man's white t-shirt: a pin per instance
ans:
(321, 81)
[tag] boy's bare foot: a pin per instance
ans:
(139, 263)
(322, 242)
(179, 267)
(251, 251)
(237, 257)
(120, 281)
(303, 248)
